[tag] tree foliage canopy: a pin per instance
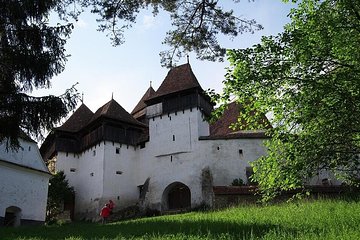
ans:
(308, 78)
(31, 53)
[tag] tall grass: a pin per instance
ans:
(323, 219)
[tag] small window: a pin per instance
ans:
(72, 170)
(29, 148)
(117, 150)
(119, 172)
(92, 174)
(240, 151)
(67, 154)
(173, 137)
(94, 152)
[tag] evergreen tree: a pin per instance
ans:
(31, 53)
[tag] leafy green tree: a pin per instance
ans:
(59, 193)
(308, 78)
(31, 53)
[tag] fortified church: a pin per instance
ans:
(163, 156)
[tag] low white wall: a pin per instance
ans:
(23, 188)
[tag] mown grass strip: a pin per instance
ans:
(323, 219)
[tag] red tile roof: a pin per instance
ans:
(237, 135)
(79, 119)
(222, 126)
(141, 104)
(178, 79)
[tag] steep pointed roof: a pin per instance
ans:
(141, 104)
(80, 118)
(114, 111)
(178, 79)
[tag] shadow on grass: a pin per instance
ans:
(157, 228)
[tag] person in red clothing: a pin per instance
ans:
(104, 213)
(111, 206)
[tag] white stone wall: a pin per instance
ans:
(87, 179)
(173, 154)
(166, 161)
(226, 161)
(25, 189)
(120, 183)
(174, 133)
(164, 170)
(22, 185)
(168, 156)
(27, 155)
(69, 164)
(101, 174)
(324, 178)
(225, 165)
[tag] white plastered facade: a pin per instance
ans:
(173, 154)
(24, 181)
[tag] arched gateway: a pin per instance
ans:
(176, 196)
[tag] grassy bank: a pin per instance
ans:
(325, 219)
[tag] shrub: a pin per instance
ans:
(237, 182)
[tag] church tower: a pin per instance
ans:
(177, 112)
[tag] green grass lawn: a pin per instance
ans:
(323, 219)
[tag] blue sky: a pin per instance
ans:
(126, 70)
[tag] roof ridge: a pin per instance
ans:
(114, 110)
